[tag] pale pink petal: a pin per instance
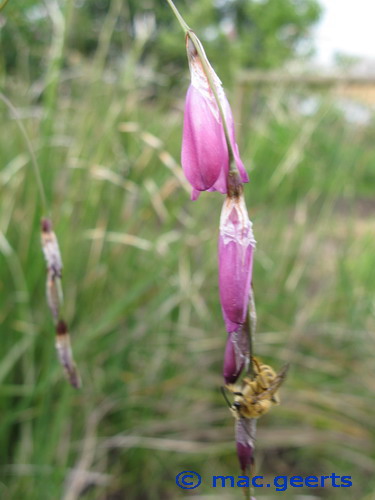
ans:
(204, 150)
(195, 195)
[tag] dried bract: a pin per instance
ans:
(237, 352)
(51, 249)
(52, 256)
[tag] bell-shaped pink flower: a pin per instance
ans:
(204, 154)
(204, 150)
(245, 436)
(236, 247)
(237, 354)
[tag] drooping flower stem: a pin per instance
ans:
(233, 170)
(180, 19)
(38, 177)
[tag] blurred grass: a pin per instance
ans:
(140, 282)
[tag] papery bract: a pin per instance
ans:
(236, 247)
(50, 248)
(237, 353)
(65, 354)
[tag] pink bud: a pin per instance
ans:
(245, 435)
(204, 155)
(236, 247)
(236, 354)
(204, 150)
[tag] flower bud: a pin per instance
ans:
(205, 156)
(245, 436)
(236, 247)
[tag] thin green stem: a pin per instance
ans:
(38, 177)
(3, 4)
(247, 494)
(180, 19)
(251, 320)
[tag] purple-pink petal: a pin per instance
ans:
(204, 150)
(236, 247)
(245, 436)
(221, 184)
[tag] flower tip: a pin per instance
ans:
(46, 225)
(245, 435)
(233, 363)
(61, 327)
(195, 194)
(245, 456)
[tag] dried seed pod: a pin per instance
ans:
(51, 249)
(54, 294)
(65, 355)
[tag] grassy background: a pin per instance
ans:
(140, 282)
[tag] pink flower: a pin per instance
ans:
(236, 247)
(205, 156)
(236, 356)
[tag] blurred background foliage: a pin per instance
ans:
(241, 33)
(91, 82)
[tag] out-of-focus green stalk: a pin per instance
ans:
(34, 163)
(180, 19)
(3, 4)
(59, 20)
